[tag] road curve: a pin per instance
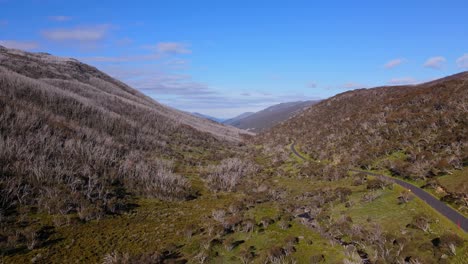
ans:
(432, 201)
(293, 149)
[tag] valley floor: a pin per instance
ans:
(278, 216)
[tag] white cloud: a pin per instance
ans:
(171, 48)
(462, 62)
(177, 64)
(59, 18)
(81, 34)
(401, 81)
(21, 45)
(435, 62)
(159, 82)
(160, 49)
(394, 63)
(183, 92)
(146, 57)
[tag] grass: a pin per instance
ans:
(154, 225)
(310, 242)
(385, 210)
(394, 217)
(457, 182)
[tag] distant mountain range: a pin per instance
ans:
(267, 118)
(235, 120)
(212, 118)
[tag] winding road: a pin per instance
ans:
(432, 201)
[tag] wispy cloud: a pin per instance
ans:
(402, 81)
(394, 63)
(177, 64)
(462, 62)
(114, 59)
(159, 82)
(160, 50)
(183, 92)
(22, 45)
(172, 84)
(80, 34)
(228, 105)
(435, 62)
(311, 85)
(59, 18)
(170, 48)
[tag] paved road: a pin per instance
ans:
(432, 201)
(293, 149)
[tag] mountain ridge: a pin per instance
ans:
(348, 121)
(232, 120)
(270, 116)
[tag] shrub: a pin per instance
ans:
(246, 256)
(283, 224)
(318, 258)
(405, 196)
(248, 225)
(190, 230)
(275, 253)
(343, 193)
(227, 175)
(219, 215)
(377, 183)
(422, 222)
(266, 221)
(451, 238)
(370, 196)
(229, 244)
(236, 207)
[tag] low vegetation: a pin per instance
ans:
(76, 144)
(92, 171)
(225, 176)
(418, 132)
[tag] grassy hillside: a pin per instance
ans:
(74, 141)
(416, 132)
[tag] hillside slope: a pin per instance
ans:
(270, 116)
(417, 131)
(74, 139)
(212, 118)
(235, 119)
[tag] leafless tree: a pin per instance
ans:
(227, 175)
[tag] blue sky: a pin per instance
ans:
(223, 58)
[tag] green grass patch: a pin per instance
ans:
(457, 182)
